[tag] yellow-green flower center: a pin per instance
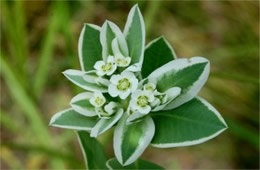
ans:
(122, 61)
(119, 60)
(99, 101)
(107, 67)
(142, 101)
(123, 84)
(149, 88)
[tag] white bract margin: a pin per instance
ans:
(80, 75)
(81, 110)
(137, 66)
(179, 64)
(120, 37)
(144, 141)
(201, 140)
(108, 123)
(80, 43)
(59, 114)
(166, 42)
(83, 151)
(108, 165)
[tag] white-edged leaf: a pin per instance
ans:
(89, 46)
(105, 124)
(93, 152)
(80, 103)
(70, 119)
(92, 77)
(136, 116)
(192, 123)
(188, 74)
(120, 38)
(157, 53)
(106, 38)
(139, 164)
(77, 77)
(134, 33)
(130, 140)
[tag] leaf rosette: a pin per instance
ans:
(146, 92)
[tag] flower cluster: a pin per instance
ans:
(146, 93)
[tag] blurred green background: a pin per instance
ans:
(39, 41)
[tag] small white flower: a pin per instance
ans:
(107, 111)
(122, 85)
(140, 101)
(98, 99)
(150, 87)
(110, 107)
(122, 61)
(161, 96)
(106, 68)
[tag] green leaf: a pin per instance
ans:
(77, 77)
(105, 124)
(89, 47)
(93, 151)
(157, 53)
(106, 37)
(110, 32)
(134, 32)
(130, 140)
(80, 103)
(188, 74)
(70, 119)
(139, 164)
(192, 123)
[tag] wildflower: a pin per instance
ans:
(122, 85)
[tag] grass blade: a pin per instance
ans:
(25, 103)
(47, 51)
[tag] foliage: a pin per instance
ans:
(159, 108)
(224, 32)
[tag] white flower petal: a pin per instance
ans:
(133, 105)
(134, 84)
(114, 79)
(110, 59)
(99, 64)
(144, 110)
(92, 101)
(150, 86)
(100, 73)
(128, 75)
(112, 90)
(110, 107)
(114, 66)
(136, 94)
(156, 102)
(124, 95)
